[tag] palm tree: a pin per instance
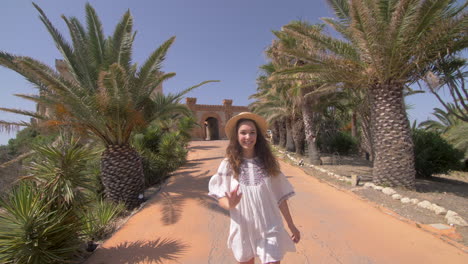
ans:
(449, 72)
(388, 45)
(444, 123)
(306, 87)
(275, 101)
(291, 96)
(103, 94)
(271, 103)
(274, 106)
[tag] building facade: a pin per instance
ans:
(212, 118)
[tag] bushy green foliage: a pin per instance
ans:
(26, 138)
(341, 142)
(31, 231)
(162, 151)
(457, 135)
(44, 214)
(98, 219)
(433, 154)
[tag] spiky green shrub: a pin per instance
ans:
(61, 170)
(185, 126)
(162, 152)
(172, 152)
(31, 232)
(433, 154)
(98, 219)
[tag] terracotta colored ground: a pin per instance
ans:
(183, 225)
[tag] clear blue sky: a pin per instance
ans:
(222, 40)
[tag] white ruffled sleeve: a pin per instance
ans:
(220, 183)
(282, 188)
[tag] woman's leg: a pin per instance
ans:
(251, 261)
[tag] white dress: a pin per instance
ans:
(256, 222)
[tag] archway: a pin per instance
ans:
(211, 129)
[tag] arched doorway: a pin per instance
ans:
(211, 128)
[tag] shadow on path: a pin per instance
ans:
(442, 185)
(205, 159)
(184, 186)
(155, 251)
(202, 147)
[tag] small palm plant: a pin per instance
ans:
(60, 169)
(98, 219)
(100, 93)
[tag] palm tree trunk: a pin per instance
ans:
(310, 130)
(298, 134)
(366, 138)
(275, 137)
(354, 133)
(122, 175)
(282, 133)
(393, 145)
(289, 135)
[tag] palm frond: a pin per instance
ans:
(11, 62)
(33, 114)
(153, 63)
(8, 127)
(62, 45)
(184, 92)
(337, 26)
(84, 73)
(341, 8)
(122, 41)
(95, 35)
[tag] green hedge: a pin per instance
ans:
(340, 142)
(433, 154)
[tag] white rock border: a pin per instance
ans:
(451, 217)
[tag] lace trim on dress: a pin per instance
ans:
(286, 196)
(259, 173)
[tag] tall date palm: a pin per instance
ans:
(388, 44)
(102, 94)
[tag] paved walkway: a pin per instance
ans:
(184, 225)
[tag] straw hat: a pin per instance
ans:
(231, 124)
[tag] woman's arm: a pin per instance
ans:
(296, 235)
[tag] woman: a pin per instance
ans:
(251, 186)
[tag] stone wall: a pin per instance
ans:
(203, 113)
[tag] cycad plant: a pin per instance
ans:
(100, 93)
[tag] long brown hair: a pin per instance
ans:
(262, 152)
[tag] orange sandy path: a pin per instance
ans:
(183, 225)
